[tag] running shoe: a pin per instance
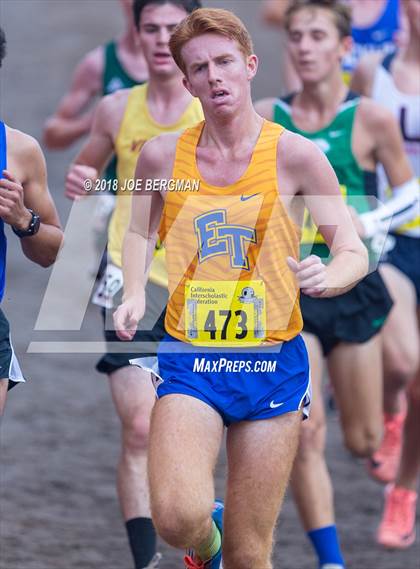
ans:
(398, 526)
(154, 563)
(191, 561)
(383, 464)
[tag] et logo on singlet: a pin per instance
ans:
(217, 237)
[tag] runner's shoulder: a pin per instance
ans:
(265, 107)
(374, 116)
(24, 154)
(113, 105)
(93, 63)
(300, 160)
(158, 154)
(118, 98)
(20, 144)
(294, 150)
(163, 145)
(364, 74)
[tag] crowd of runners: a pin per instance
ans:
(288, 251)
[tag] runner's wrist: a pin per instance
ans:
(133, 296)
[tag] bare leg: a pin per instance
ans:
(356, 373)
(400, 338)
(410, 458)
(134, 397)
(311, 482)
(397, 527)
(260, 458)
(186, 435)
(3, 394)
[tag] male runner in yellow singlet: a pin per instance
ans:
(123, 122)
(120, 64)
(233, 354)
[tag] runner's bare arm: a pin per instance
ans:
(155, 162)
(146, 212)
(363, 75)
(25, 186)
(389, 151)
(305, 164)
(273, 11)
(99, 147)
(71, 119)
(389, 144)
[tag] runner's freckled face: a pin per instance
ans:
(157, 23)
(315, 45)
(218, 73)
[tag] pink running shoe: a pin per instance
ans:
(398, 526)
(383, 464)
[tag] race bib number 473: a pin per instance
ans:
(225, 313)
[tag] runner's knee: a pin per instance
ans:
(414, 393)
(179, 526)
(402, 365)
(312, 437)
(249, 556)
(363, 441)
(136, 434)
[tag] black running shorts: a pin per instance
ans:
(9, 366)
(355, 316)
(147, 338)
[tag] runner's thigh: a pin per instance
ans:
(400, 331)
(260, 457)
(184, 444)
(356, 372)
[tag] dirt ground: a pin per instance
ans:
(60, 436)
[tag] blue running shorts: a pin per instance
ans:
(241, 385)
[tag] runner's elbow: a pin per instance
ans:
(52, 136)
(44, 260)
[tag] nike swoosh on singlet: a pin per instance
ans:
(245, 198)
